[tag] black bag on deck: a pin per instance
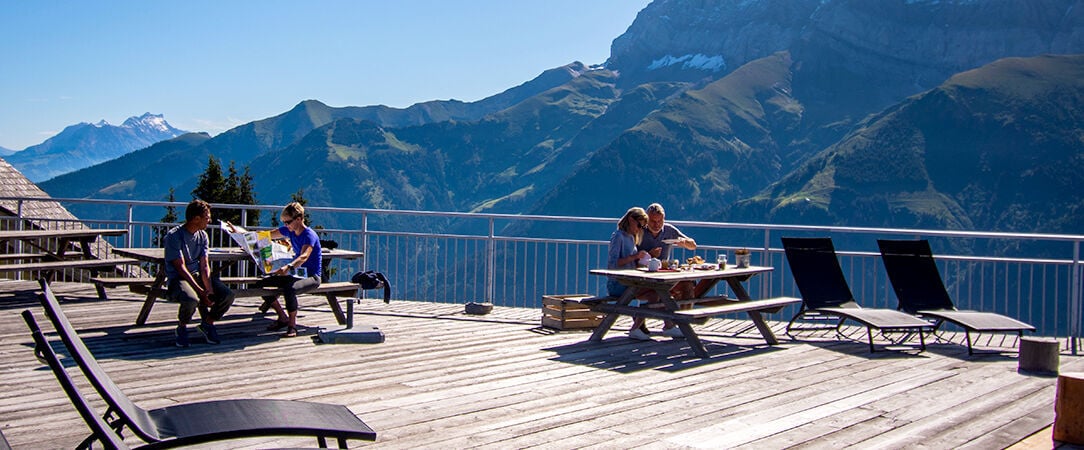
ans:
(372, 280)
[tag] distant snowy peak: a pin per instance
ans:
(153, 123)
(150, 122)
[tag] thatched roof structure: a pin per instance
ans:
(42, 215)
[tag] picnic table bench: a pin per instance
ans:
(52, 250)
(701, 307)
(154, 288)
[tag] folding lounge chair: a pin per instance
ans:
(921, 291)
(195, 423)
(100, 431)
(825, 291)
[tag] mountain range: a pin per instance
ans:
(85, 144)
(941, 114)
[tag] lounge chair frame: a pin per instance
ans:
(921, 291)
(100, 431)
(200, 422)
(826, 294)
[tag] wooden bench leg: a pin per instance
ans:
(763, 327)
(267, 301)
(101, 291)
(694, 341)
(148, 303)
(336, 309)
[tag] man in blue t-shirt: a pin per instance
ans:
(188, 275)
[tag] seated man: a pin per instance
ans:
(659, 236)
(188, 275)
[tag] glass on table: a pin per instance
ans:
(720, 260)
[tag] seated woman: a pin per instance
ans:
(307, 253)
(623, 254)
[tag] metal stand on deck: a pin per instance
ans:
(363, 334)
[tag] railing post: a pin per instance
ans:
(364, 240)
(765, 259)
(19, 226)
(490, 262)
(130, 226)
(1075, 300)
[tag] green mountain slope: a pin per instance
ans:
(246, 142)
(702, 150)
(442, 166)
(995, 148)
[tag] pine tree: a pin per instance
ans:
(211, 186)
(232, 189)
(247, 196)
(169, 218)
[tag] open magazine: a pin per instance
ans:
(268, 255)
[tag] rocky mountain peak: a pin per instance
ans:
(922, 42)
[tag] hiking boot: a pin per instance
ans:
(209, 333)
(182, 336)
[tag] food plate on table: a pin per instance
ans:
(670, 241)
(705, 266)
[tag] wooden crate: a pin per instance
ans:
(563, 313)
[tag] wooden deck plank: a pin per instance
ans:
(445, 379)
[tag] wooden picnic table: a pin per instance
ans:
(223, 256)
(50, 257)
(701, 306)
(38, 239)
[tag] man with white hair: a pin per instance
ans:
(657, 239)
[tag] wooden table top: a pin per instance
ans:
(63, 234)
(672, 276)
(157, 254)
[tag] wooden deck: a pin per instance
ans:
(446, 380)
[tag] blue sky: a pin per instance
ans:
(212, 65)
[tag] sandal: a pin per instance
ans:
(291, 332)
(277, 325)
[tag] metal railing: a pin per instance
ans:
(513, 260)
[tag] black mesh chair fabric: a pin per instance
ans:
(914, 276)
(100, 431)
(825, 292)
(920, 290)
(194, 423)
(817, 273)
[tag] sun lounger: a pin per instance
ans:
(826, 294)
(921, 291)
(99, 429)
(201, 422)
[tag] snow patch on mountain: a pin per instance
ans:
(697, 61)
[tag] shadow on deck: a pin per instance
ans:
(445, 379)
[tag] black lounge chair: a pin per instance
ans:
(201, 422)
(921, 291)
(826, 294)
(100, 431)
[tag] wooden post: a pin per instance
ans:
(1039, 355)
(1069, 409)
